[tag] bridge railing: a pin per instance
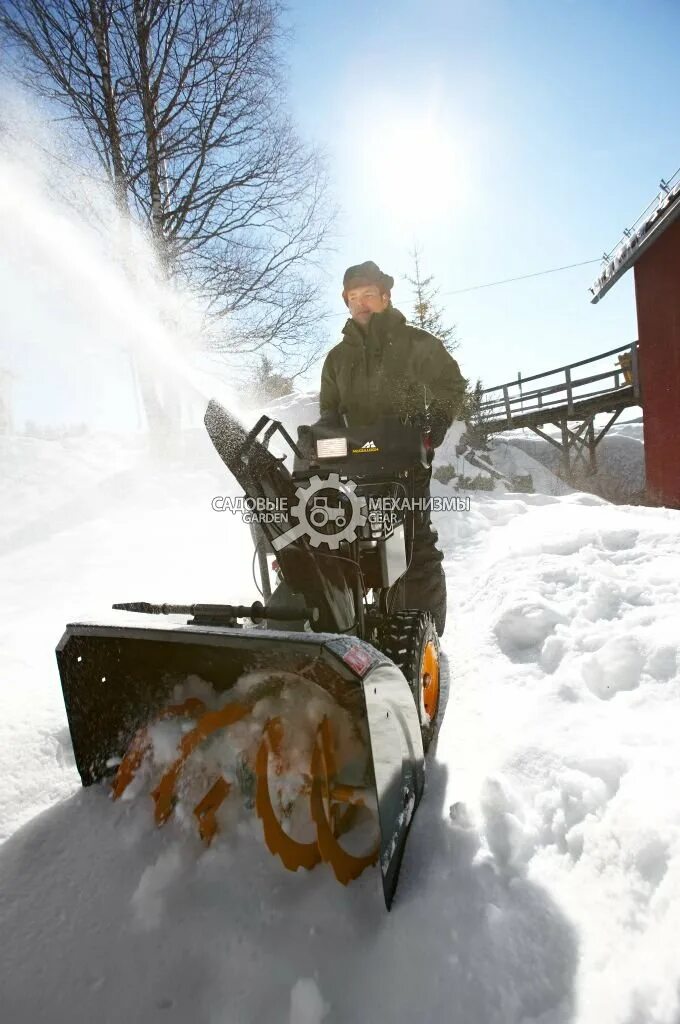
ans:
(563, 387)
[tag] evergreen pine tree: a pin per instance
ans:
(426, 313)
(473, 415)
(430, 317)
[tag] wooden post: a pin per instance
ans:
(566, 461)
(592, 447)
(508, 411)
(570, 397)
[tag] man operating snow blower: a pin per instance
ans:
(317, 717)
(384, 367)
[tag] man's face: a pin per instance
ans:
(366, 300)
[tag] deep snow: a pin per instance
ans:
(541, 880)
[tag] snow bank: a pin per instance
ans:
(570, 658)
(38, 476)
(512, 461)
(620, 472)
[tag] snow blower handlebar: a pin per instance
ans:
(222, 614)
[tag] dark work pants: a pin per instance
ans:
(424, 585)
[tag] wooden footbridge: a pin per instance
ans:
(569, 398)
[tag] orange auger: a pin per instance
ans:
(332, 805)
(164, 793)
(293, 854)
(324, 801)
(141, 744)
(326, 796)
(206, 810)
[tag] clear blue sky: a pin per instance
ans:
(549, 125)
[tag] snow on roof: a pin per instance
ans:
(665, 208)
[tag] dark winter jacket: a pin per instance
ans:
(393, 368)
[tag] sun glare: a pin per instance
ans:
(413, 166)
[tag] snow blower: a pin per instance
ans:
(312, 710)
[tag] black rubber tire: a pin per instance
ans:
(404, 638)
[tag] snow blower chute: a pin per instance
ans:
(315, 714)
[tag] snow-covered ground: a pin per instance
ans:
(541, 881)
(620, 455)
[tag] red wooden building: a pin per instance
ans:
(652, 248)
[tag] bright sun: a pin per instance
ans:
(413, 166)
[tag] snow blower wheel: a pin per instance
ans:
(410, 640)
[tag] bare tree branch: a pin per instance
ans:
(181, 100)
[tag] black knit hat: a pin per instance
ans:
(367, 273)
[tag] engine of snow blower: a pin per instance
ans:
(317, 715)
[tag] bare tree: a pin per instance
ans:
(426, 313)
(63, 53)
(182, 102)
(238, 199)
